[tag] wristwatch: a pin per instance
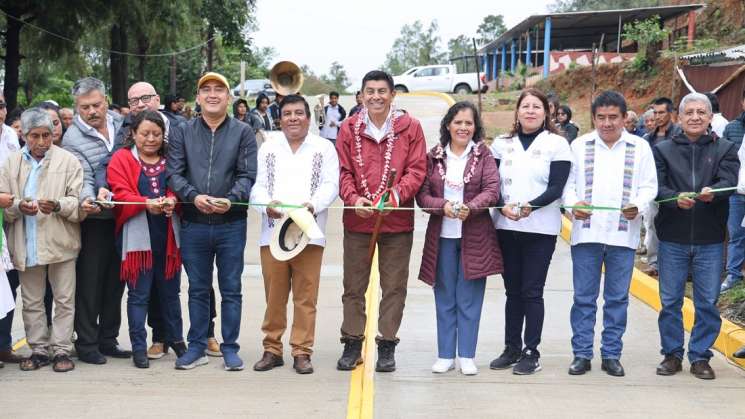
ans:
(56, 206)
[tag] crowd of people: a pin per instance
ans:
(100, 199)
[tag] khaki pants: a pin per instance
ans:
(33, 285)
(394, 252)
(300, 274)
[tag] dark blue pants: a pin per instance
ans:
(458, 303)
(587, 265)
(155, 316)
(170, 304)
(527, 257)
(203, 245)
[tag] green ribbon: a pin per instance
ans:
(381, 204)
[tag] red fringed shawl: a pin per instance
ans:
(123, 176)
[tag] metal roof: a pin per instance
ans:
(724, 55)
(578, 30)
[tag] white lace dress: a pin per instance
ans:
(7, 302)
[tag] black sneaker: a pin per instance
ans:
(509, 357)
(352, 355)
(386, 360)
(528, 363)
(139, 358)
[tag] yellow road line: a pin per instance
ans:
(647, 289)
(444, 96)
(20, 344)
(362, 380)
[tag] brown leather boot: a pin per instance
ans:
(670, 365)
(10, 357)
(702, 369)
(268, 361)
(302, 364)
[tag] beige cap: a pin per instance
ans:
(213, 76)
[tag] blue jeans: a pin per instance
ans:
(705, 261)
(587, 262)
(458, 303)
(138, 299)
(203, 245)
(736, 244)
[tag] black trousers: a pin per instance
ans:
(527, 257)
(98, 293)
(155, 315)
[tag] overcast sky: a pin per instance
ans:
(359, 34)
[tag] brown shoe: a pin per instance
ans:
(213, 348)
(302, 364)
(10, 357)
(157, 350)
(702, 369)
(651, 271)
(671, 365)
(268, 361)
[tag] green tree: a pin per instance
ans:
(647, 34)
(490, 29)
(313, 85)
(65, 17)
(415, 46)
(337, 77)
(460, 46)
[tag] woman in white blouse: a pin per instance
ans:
(534, 163)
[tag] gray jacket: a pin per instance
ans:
(90, 150)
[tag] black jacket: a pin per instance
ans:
(685, 166)
(673, 131)
(220, 164)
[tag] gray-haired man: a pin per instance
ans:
(99, 292)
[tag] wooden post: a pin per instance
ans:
(478, 75)
(243, 79)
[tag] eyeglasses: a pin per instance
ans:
(144, 99)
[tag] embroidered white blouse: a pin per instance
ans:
(311, 174)
(524, 176)
(455, 167)
(627, 167)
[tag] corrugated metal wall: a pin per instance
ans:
(705, 78)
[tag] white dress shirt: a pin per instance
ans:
(524, 177)
(313, 166)
(109, 142)
(8, 143)
(332, 115)
(718, 123)
(455, 167)
(608, 187)
(378, 133)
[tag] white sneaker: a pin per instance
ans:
(467, 366)
(443, 365)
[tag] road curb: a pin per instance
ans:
(645, 288)
(444, 96)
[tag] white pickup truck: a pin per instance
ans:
(438, 78)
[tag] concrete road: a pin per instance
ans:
(118, 390)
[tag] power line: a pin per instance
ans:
(110, 51)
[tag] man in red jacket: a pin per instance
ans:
(377, 139)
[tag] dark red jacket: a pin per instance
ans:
(408, 158)
(480, 253)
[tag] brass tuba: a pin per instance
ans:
(319, 112)
(286, 78)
